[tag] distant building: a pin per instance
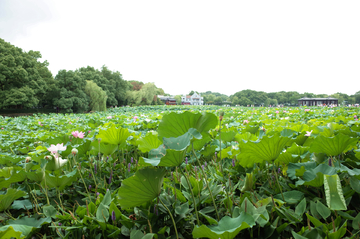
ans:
(167, 100)
(194, 99)
(317, 101)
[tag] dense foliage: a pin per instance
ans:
(167, 172)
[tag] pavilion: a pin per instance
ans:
(317, 101)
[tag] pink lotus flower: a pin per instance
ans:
(55, 148)
(109, 117)
(2, 128)
(70, 123)
(308, 133)
(39, 123)
(135, 117)
(306, 110)
(78, 134)
(277, 112)
(245, 122)
(355, 116)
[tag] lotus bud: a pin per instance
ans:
(48, 157)
(74, 151)
(27, 159)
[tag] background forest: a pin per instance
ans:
(27, 83)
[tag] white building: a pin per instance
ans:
(194, 99)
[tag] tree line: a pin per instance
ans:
(25, 82)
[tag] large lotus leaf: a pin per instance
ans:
(267, 149)
(105, 148)
(141, 188)
(286, 158)
(154, 157)
(172, 158)
(291, 197)
(315, 177)
(333, 146)
(174, 125)
(227, 228)
(181, 142)
(60, 182)
(36, 176)
(149, 142)
(113, 135)
(10, 196)
(227, 136)
(23, 204)
(294, 169)
(15, 177)
(199, 144)
(30, 221)
(15, 230)
(251, 129)
(9, 232)
(84, 148)
(245, 137)
(334, 194)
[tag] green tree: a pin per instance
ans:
(71, 96)
(97, 96)
(148, 93)
(20, 71)
(178, 99)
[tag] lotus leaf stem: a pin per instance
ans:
(172, 218)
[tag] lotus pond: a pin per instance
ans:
(182, 172)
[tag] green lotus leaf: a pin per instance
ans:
(149, 142)
(36, 176)
(315, 177)
(175, 125)
(8, 198)
(142, 187)
(30, 221)
(267, 149)
(286, 158)
(154, 157)
(245, 137)
(183, 141)
(334, 194)
(9, 232)
(113, 135)
(253, 129)
(291, 197)
(333, 146)
(227, 136)
(15, 177)
(295, 168)
(23, 204)
(227, 228)
(60, 182)
(105, 148)
(172, 158)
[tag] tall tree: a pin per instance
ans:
(71, 96)
(20, 71)
(97, 96)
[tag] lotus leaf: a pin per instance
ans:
(143, 187)
(333, 146)
(227, 227)
(267, 149)
(174, 125)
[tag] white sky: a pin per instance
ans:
(220, 46)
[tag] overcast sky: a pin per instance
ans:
(220, 46)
